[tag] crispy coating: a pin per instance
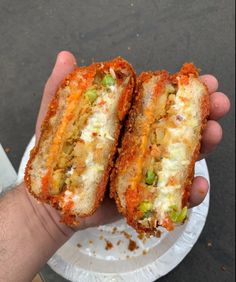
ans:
(131, 151)
(84, 76)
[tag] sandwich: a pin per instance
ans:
(154, 171)
(70, 166)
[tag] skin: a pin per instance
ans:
(30, 233)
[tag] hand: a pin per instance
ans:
(212, 135)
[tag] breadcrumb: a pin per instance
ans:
(132, 245)
(109, 245)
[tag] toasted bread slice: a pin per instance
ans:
(70, 165)
(155, 167)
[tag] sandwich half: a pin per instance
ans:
(154, 171)
(69, 167)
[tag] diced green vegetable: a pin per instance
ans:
(174, 207)
(178, 216)
(108, 80)
(145, 206)
(150, 177)
(182, 214)
(91, 94)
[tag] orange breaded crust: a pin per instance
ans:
(88, 74)
(129, 148)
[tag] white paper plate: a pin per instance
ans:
(92, 262)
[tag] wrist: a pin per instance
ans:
(30, 233)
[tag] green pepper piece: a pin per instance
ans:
(150, 177)
(178, 217)
(145, 206)
(174, 208)
(108, 80)
(182, 215)
(91, 94)
(174, 216)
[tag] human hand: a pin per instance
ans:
(212, 135)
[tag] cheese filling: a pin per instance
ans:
(99, 124)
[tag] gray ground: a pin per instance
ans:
(150, 34)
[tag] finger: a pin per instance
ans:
(198, 191)
(211, 136)
(65, 63)
(219, 105)
(210, 81)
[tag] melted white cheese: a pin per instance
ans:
(99, 121)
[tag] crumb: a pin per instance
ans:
(108, 245)
(114, 230)
(118, 242)
(137, 35)
(90, 242)
(82, 61)
(132, 245)
(129, 48)
(131, 4)
(223, 268)
(79, 245)
(101, 237)
(144, 252)
(141, 236)
(209, 244)
(94, 253)
(127, 235)
(127, 257)
(157, 234)
(7, 150)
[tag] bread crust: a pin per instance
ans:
(88, 73)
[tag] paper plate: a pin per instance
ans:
(102, 253)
